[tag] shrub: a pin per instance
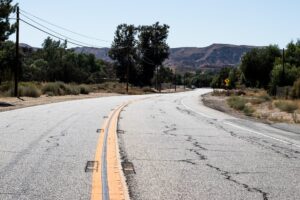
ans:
(30, 91)
(54, 89)
(237, 103)
(260, 99)
(84, 89)
(71, 89)
(296, 89)
(4, 87)
(26, 91)
(148, 90)
(248, 110)
(266, 97)
(286, 106)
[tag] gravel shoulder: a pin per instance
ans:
(12, 103)
(220, 103)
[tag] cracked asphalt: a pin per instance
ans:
(181, 149)
(44, 149)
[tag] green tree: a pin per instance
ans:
(35, 71)
(257, 65)
(292, 53)
(291, 74)
(153, 50)
(53, 52)
(6, 29)
(218, 80)
(7, 59)
(123, 52)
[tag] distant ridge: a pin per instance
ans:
(188, 58)
(213, 56)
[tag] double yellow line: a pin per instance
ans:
(108, 181)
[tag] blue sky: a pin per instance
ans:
(193, 23)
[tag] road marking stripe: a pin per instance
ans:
(108, 184)
(239, 127)
(262, 134)
(96, 180)
(189, 108)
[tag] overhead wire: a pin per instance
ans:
(57, 33)
(55, 36)
(62, 28)
(64, 37)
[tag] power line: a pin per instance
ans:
(64, 36)
(60, 27)
(57, 37)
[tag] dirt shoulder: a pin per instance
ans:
(264, 113)
(12, 103)
(220, 103)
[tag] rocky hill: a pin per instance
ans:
(189, 58)
(213, 56)
(101, 53)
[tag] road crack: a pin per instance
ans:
(228, 176)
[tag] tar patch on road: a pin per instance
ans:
(120, 131)
(91, 166)
(128, 168)
(99, 130)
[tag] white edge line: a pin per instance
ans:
(239, 127)
(258, 133)
(202, 114)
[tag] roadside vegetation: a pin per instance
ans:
(138, 53)
(36, 89)
(266, 85)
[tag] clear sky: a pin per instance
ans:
(193, 23)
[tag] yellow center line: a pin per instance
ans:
(117, 187)
(116, 183)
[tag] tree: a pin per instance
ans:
(152, 49)
(123, 52)
(6, 29)
(292, 53)
(257, 65)
(56, 63)
(7, 58)
(218, 80)
(291, 74)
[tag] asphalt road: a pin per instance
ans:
(44, 149)
(179, 148)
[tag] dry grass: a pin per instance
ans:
(259, 104)
(34, 89)
(286, 106)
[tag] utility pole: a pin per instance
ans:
(283, 70)
(158, 77)
(17, 64)
(184, 82)
(156, 85)
(127, 79)
(127, 74)
(175, 79)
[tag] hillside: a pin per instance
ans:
(99, 53)
(213, 56)
(188, 58)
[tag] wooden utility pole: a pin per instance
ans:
(127, 75)
(156, 81)
(127, 79)
(283, 70)
(17, 64)
(175, 79)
